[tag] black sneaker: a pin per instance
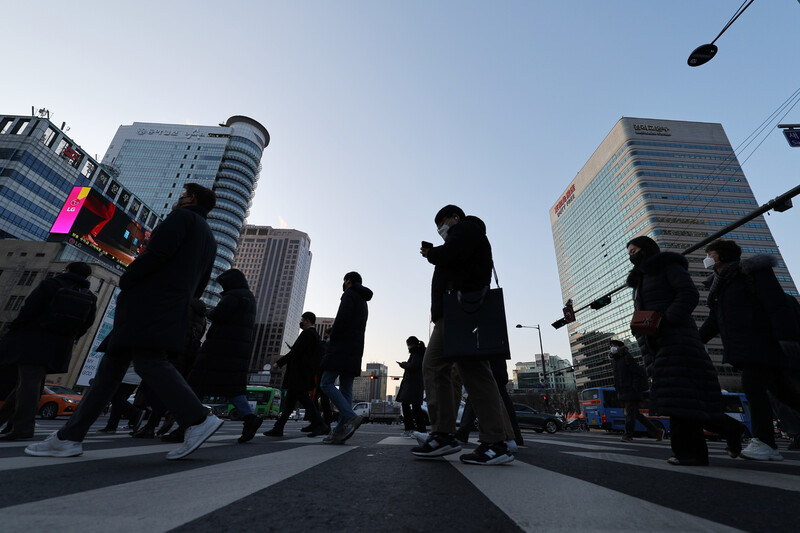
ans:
(488, 454)
(306, 429)
(274, 432)
(250, 427)
(319, 430)
(437, 445)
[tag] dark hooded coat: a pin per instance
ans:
(463, 262)
(221, 366)
(28, 342)
(301, 361)
(412, 388)
(153, 306)
(684, 381)
(750, 312)
(630, 378)
(346, 345)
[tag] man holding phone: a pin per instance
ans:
(463, 262)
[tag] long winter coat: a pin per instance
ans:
(153, 305)
(28, 343)
(463, 262)
(221, 365)
(301, 361)
(629, 376)
(750, 313)
(346, 345)
(684, 382)
(412, 388)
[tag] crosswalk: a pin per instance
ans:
(223, 473)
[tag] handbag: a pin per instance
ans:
(475, 325)
(645, 323)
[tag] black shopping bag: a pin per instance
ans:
(475, 326)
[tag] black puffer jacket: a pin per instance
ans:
(684, 381)
(221, 365)
(28, 342)
(346, 345)
(463, 262)
(750, 312)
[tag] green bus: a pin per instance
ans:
(265, 401)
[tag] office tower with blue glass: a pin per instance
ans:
(677, 182)
(156, 160)
(39, 166)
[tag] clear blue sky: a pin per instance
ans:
(382, 112)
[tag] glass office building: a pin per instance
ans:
(677, 182)
(156, 160)
(39, 166)
(276, 264)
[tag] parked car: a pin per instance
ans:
(528, 417)
(57, 401)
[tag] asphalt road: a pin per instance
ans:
(564, 482)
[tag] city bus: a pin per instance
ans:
(265, 402)
(603, 410)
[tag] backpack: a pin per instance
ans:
(69, 310)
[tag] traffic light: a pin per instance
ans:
(569, 314)
(601, 302)
(372, 377)
(559, 323)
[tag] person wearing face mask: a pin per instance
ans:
(149, 324)
(342, 359)
(463, 262)
(684, 384)
(758, 326)
(630, 380)
(299, 379)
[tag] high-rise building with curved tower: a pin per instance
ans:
(156, 160)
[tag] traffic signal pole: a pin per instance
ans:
(779, 204)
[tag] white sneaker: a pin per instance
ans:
(195, 436)
(421, 437)
(758, 451)
(52, 446)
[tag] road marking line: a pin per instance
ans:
(609, 510)
(574, 444)
(27, 461)
(166, 502)
(729, 473)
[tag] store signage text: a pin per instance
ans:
(565, 201)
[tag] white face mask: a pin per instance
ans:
(614, 349)
(709, 262)
(443, 229)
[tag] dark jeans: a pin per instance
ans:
(152, 366)
(689, 442)
(121, 406)
(288, 403)
(756, 380)
(23, 402)
(413, 417)
(632, 414)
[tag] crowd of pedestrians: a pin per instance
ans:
(161, 347)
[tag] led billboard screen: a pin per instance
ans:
(100, 224)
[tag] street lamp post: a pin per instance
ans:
(541, 350)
